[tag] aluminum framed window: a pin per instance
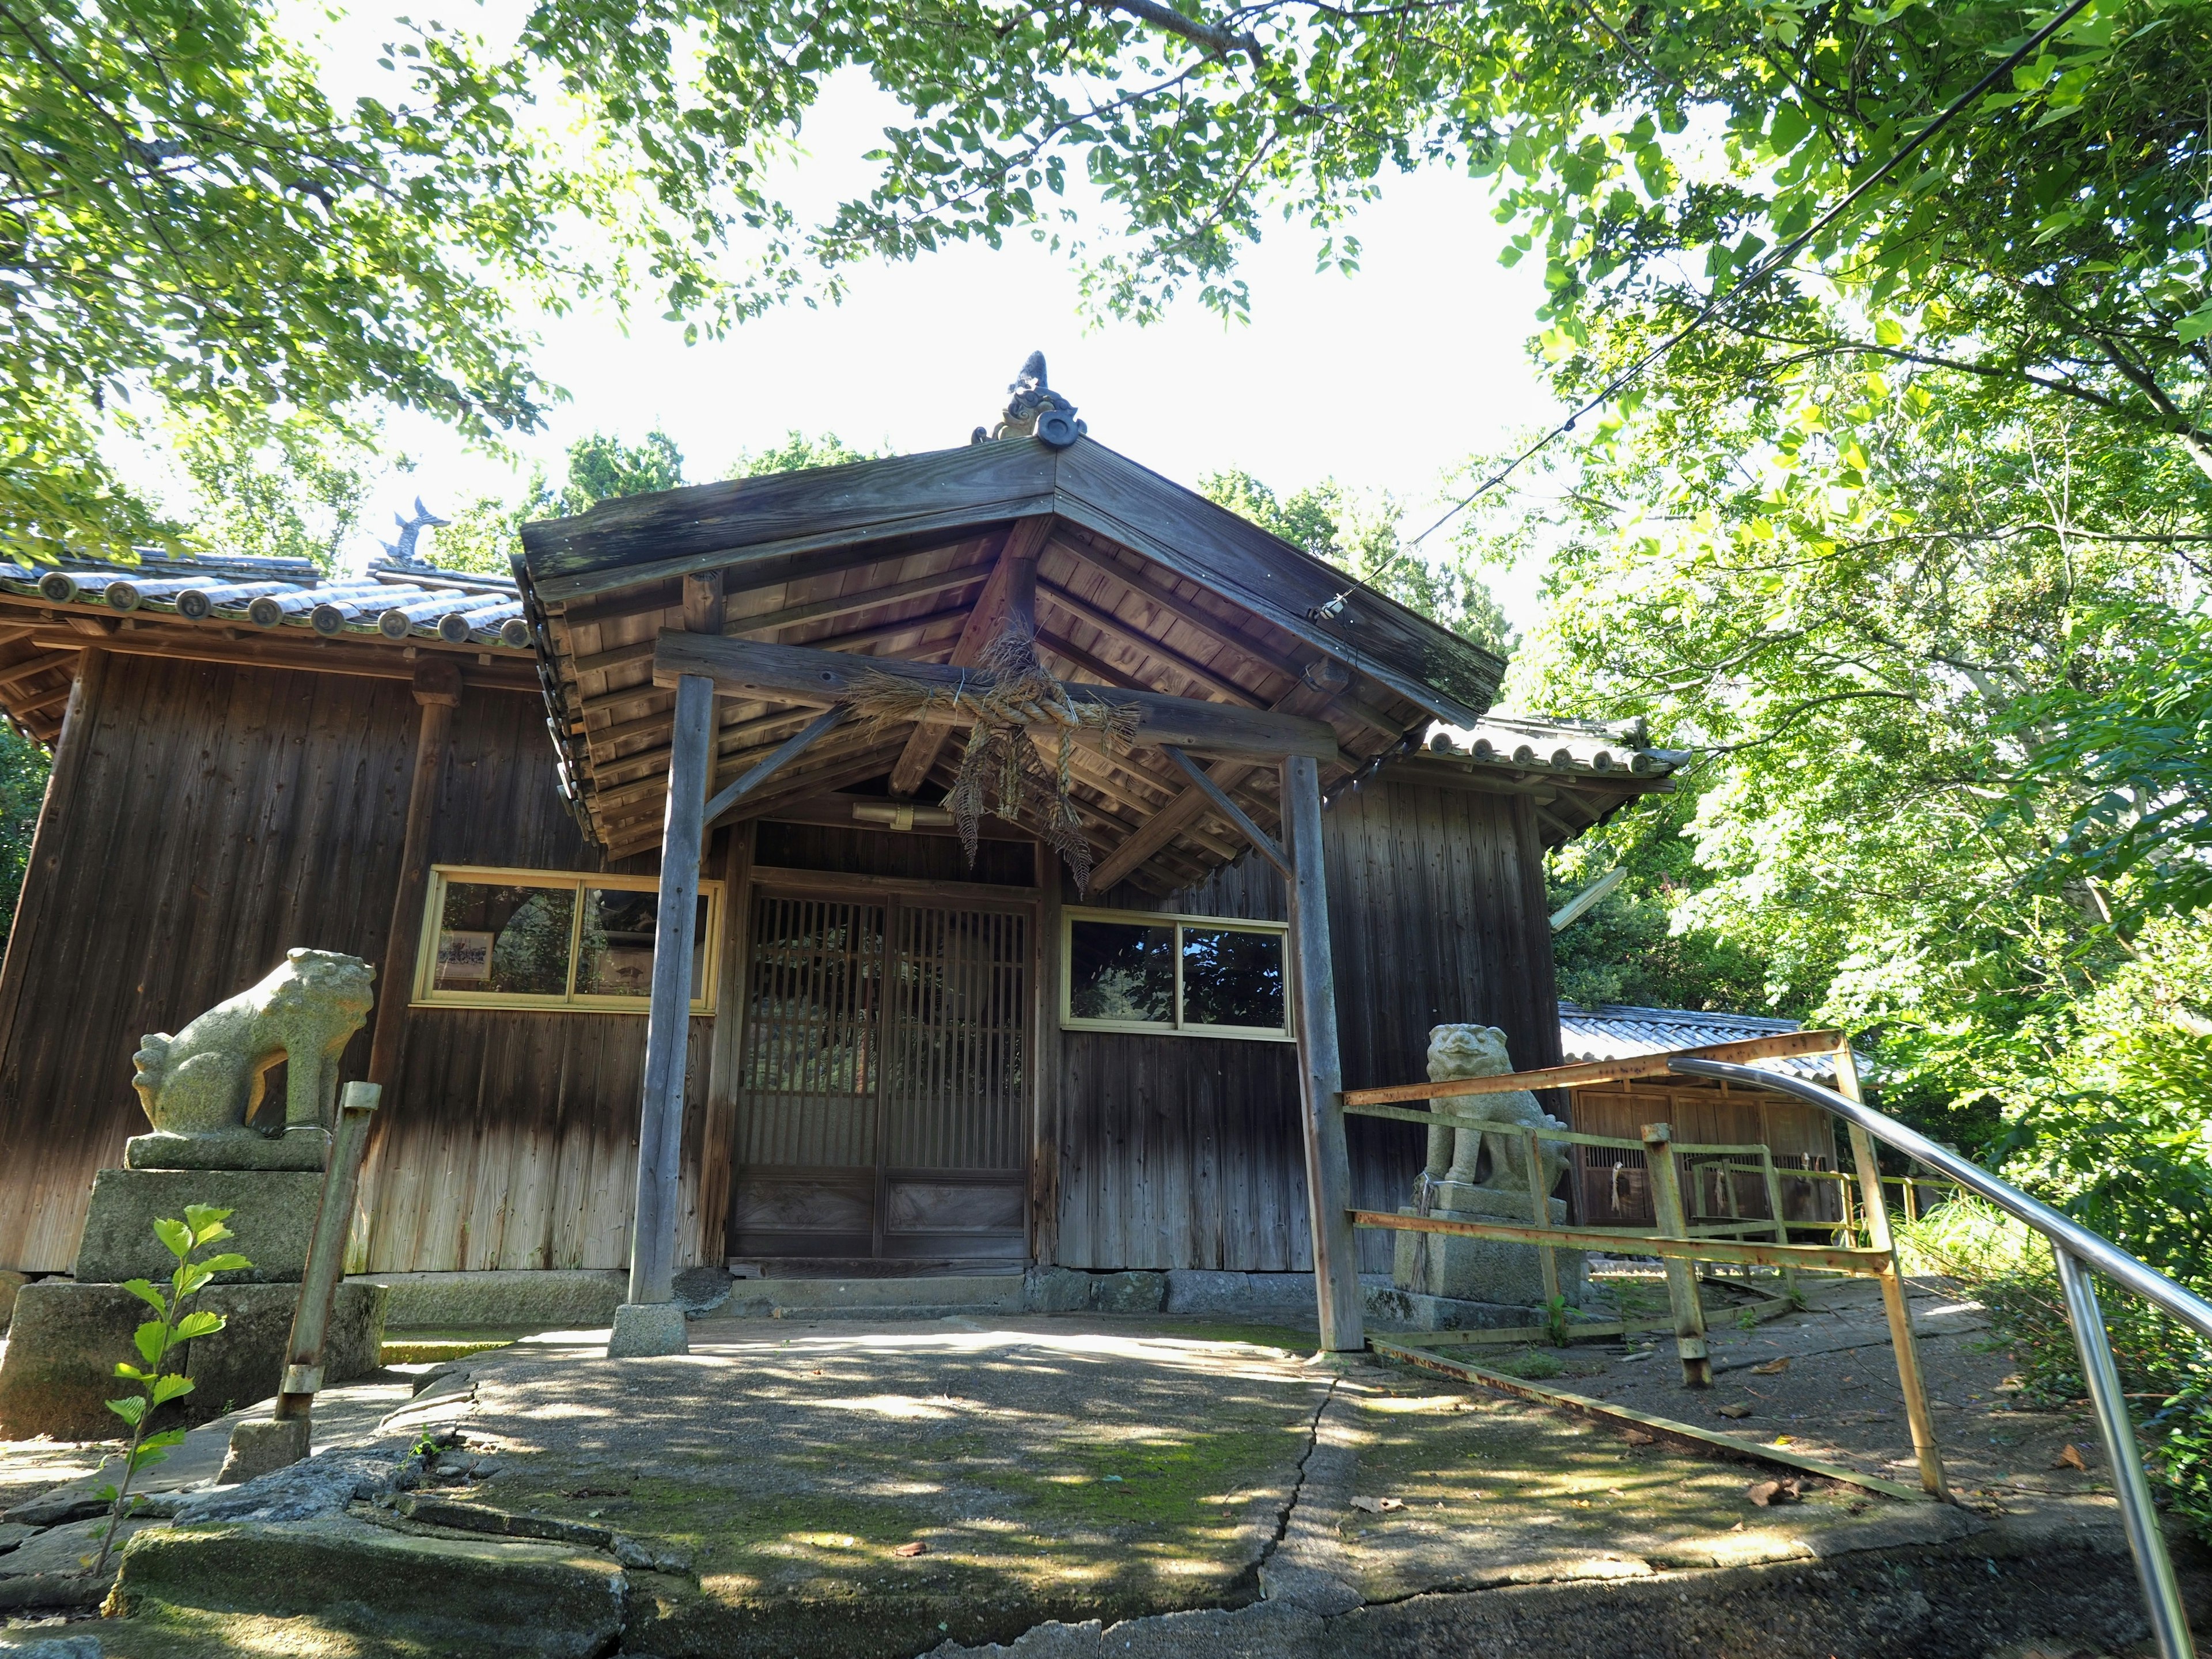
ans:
(550, 940)
(1175, 975)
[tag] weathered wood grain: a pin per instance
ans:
(799, 674)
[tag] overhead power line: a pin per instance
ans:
(1721, 301)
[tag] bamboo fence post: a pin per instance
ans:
(1781, 1218)
(1894, 1301)
(1681, 1276)
(1540, 1201)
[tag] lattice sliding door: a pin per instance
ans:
(884, 1080)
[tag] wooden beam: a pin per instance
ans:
(1320, 1070)
(804, 675)
(790, 750)
(850, 603)
(1223, 631)
(63, 659)
(795, 784)
(1783, 1045)
(703, 602)
(1234, 814)
(1022, 541)
(372, 657)
(437, 693)
(668, 1021)
(1130, 635)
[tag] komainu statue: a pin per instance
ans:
(1458, 1051)
(203, 1084)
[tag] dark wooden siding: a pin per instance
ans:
(1186, 1152)
(216, 815)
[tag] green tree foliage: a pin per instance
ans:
(487, 534)
(1361, 535)
(294, 490)
(187, 224)
(797, 452)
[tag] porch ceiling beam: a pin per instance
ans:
(738, 580)
(802, 674)
(795, 785)
(615, 781)
(1130, 635)
(860, 640)
(1019, 543)
(1229, 810)
(789, 749)
(851, 604)
(1218, 628)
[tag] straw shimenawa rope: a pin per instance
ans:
(1009, 693)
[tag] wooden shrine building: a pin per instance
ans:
(889, 1053)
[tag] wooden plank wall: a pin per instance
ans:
(221, 815)
(510, 1138)
(1185, 1152)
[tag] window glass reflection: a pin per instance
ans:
(1121, 971)
(506, 940)
(1232, 977)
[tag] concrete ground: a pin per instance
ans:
(1083, 1485)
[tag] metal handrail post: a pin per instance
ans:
(2169, 1618)
(2076, 1248)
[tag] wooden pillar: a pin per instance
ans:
(668, 1024)
(1893, 1302)
(1321, 1071)
(1682, 1294)
(1044, 1135)
(438, 693)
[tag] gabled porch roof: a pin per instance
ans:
(1141, 584)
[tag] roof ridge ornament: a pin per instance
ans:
(402, 550)
(1035, 409)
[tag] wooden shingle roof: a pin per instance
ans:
(1140, 584)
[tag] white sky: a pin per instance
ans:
(1385, 380)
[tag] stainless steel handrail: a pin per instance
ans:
(2076, 1248)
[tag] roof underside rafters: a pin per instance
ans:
(883, 559)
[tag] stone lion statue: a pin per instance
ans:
(1458, 1051)
(208, 1078)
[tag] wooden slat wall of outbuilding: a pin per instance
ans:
(1185, 1152)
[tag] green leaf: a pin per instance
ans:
(1790, 126)
(1889, 332)
(168, 1388)
(175, 1234)
(201, 1217)
(199, 1323)
(152, 1341)
(132, 1408)
(2195, 326)
(227, 1263)
(144, 1290)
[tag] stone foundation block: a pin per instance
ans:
(1484, 1270)
(272, 1215)
(304, 1147)
(644, 1330)
(60, 1363)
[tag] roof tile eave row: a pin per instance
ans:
(402, 605)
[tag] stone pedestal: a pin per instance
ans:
(67, 1337)
(1484, 1271)
(68, 1334)
(646, 1330)
(272, 1215)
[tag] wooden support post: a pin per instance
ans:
(319, 1285)
(1540, 1200)
(1044, 1135)
(1234, 815)
(1320, 1070)
(788, 750)
(1681, 1276)
(1893, 1302)
(1774, 1206)
(667, 1038)
(438, 693)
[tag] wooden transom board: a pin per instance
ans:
(884, 1077)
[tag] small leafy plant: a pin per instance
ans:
(176, 1323)
(1559, 1320)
